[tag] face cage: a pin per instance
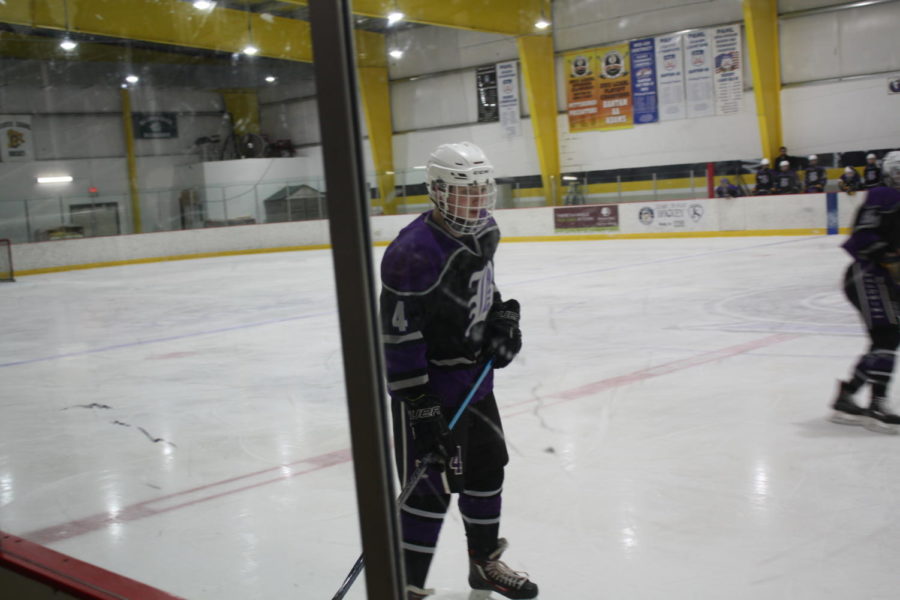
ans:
(466, 209)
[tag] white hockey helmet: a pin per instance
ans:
(784, 163)
(460, 181)
(813, 157)
(890, 169)
(764, 162)
(849, 170)
(870, 156)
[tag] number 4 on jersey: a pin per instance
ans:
(399, 319)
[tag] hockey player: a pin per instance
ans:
(872, 172)
(726, 189)
(442, 319)
(815, 178)
(849, 181)
(764, 177)
(871, 284)
(786, 181)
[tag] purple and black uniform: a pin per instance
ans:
(814, 179)
(437, 291)
(871, 176)
(850, 182)
(763, 181)
(869, 285)
(786, 182)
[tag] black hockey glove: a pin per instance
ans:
(504, 338)
(429, 428)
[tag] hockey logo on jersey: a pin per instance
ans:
(482, 299)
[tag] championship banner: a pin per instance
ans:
(614, 88)
(16, 143)
(670, 77)
(581, 100)
(486, 87)
(643, 81)
(508, 91)
(155, 126)
(699, 84)
(729, 76)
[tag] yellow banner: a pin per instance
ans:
(599, 88)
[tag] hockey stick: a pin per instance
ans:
(413, 481)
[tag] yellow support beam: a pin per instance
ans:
(376, 99)
(761, 23)
(128, 130)
(243, 106)
(536, 56)
(171, 22)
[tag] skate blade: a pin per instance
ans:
(842, 418)
(879, 427)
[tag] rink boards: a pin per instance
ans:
(801, 214)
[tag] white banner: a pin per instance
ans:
(729, 75)
(16, 143)
(699, 80)
(659, 217)
(508, 97)
(670, 77)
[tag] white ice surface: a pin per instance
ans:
(666, 422)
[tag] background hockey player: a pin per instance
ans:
(850, 181)
(815, 177)
(786, 181)
(442, 319)
(872, 173)
(726, 189)
(764, 179)
(871, 284)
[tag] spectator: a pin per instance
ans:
(727, 190)
(786, 181)
(764, 178)
(815, 178)
(783, 155)
(850, 181)
(872, 174)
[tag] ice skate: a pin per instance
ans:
(880, 419)
(846, 411)
(417, 593)
(490, 573)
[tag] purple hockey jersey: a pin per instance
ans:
(876, 229)
(436, 293)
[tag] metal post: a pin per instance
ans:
(338, 102)
(619, 187)
(693, 187)
(27, 221)
(655, 190)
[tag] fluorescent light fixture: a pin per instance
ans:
(250, 50)
(394, 17)
(420, 167)
(396, 53)
(203, 4)
(569, 178)
(271, 78)
(542, 23)
(55, 179)
(68, 45)
(132, 78)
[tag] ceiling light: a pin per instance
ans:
(569, 178)
(132, 78)
(270, 78)
(68, 45)
(55, 179)
(203, 4)
(250, 50)
(396, 53)
(394, 17)
(542, 23)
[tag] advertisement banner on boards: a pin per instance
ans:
(582, 105)
(155, 126)
(729, 74)
(16, 143)
(699, 78)
(643, 81)
(486, 90)
(508, 97)
(614, 88)
(580, 219)
(691, 215)
(670, 77)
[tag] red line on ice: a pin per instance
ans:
(134, 512)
